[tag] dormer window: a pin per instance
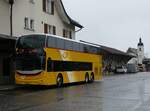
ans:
(48, 6)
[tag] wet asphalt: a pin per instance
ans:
(121, 92)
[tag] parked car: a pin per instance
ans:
(121, 69)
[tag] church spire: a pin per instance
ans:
(140, 42)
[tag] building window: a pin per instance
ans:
(49, 29)
(64, 33)
(44, 5)
(32, 24)
(45, 28)
(26, 22)
(48, 6)
(54, 30)
(70, 34)
(67, 33)
(52, 7)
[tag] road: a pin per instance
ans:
(124, 92)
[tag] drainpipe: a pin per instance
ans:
(11, 2)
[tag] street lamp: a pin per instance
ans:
(11, 2)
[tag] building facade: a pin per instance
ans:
(37, 16)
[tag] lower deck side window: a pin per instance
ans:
(68, 66)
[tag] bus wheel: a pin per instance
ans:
(92, 77)
(59, 80)
(86, 78)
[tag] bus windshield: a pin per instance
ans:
(30, 62)
(31, 41)
(30, 54)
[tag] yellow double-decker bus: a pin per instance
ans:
(43, 59)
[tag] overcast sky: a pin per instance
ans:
(114, 23)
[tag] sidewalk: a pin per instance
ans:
(7, 87)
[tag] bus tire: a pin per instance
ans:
(92, 77)
(59, 80)
(86, 78)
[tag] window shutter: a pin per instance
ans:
(52, 6)
(45, 28)
(44, 5)
(64, 33)
(70, 35)
(54, 30)
(49, 29)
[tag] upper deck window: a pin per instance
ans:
(31, 41)
(54, 42)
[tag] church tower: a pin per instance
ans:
(140, 51)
